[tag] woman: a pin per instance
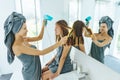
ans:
(15, 31)
(61, 63)
(77, 35)
(102, 39)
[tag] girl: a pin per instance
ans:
(61, 63)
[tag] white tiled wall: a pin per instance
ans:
(6, 7)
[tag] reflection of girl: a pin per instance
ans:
(61, 63)
(15, 31)
(77, 35)
(102, 39)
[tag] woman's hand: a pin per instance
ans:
(87, 31)
(63, 40)
(93, 37)
(44, 23)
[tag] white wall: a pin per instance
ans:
(116, 29)
(6, 7)
(87, 9)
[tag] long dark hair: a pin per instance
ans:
(76, 32)
(64, 26)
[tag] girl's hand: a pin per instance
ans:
(53, 76)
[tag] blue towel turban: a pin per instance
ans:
(109, 22)
(12, 25)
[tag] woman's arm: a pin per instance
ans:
(31, 51)
(101, 44)
(39, 37)
(87, 32)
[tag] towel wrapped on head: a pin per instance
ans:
(109, 22)
(12, 25)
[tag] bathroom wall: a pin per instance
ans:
(6, 7)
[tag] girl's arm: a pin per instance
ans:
(39, 37)
(63, 58)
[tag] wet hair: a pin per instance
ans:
(77, 31)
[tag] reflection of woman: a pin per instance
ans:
(102, 39)
(77, 35)
(61, 63)
(15, 31)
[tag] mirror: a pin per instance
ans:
(97, 9)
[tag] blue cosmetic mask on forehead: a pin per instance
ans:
(12, 25)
